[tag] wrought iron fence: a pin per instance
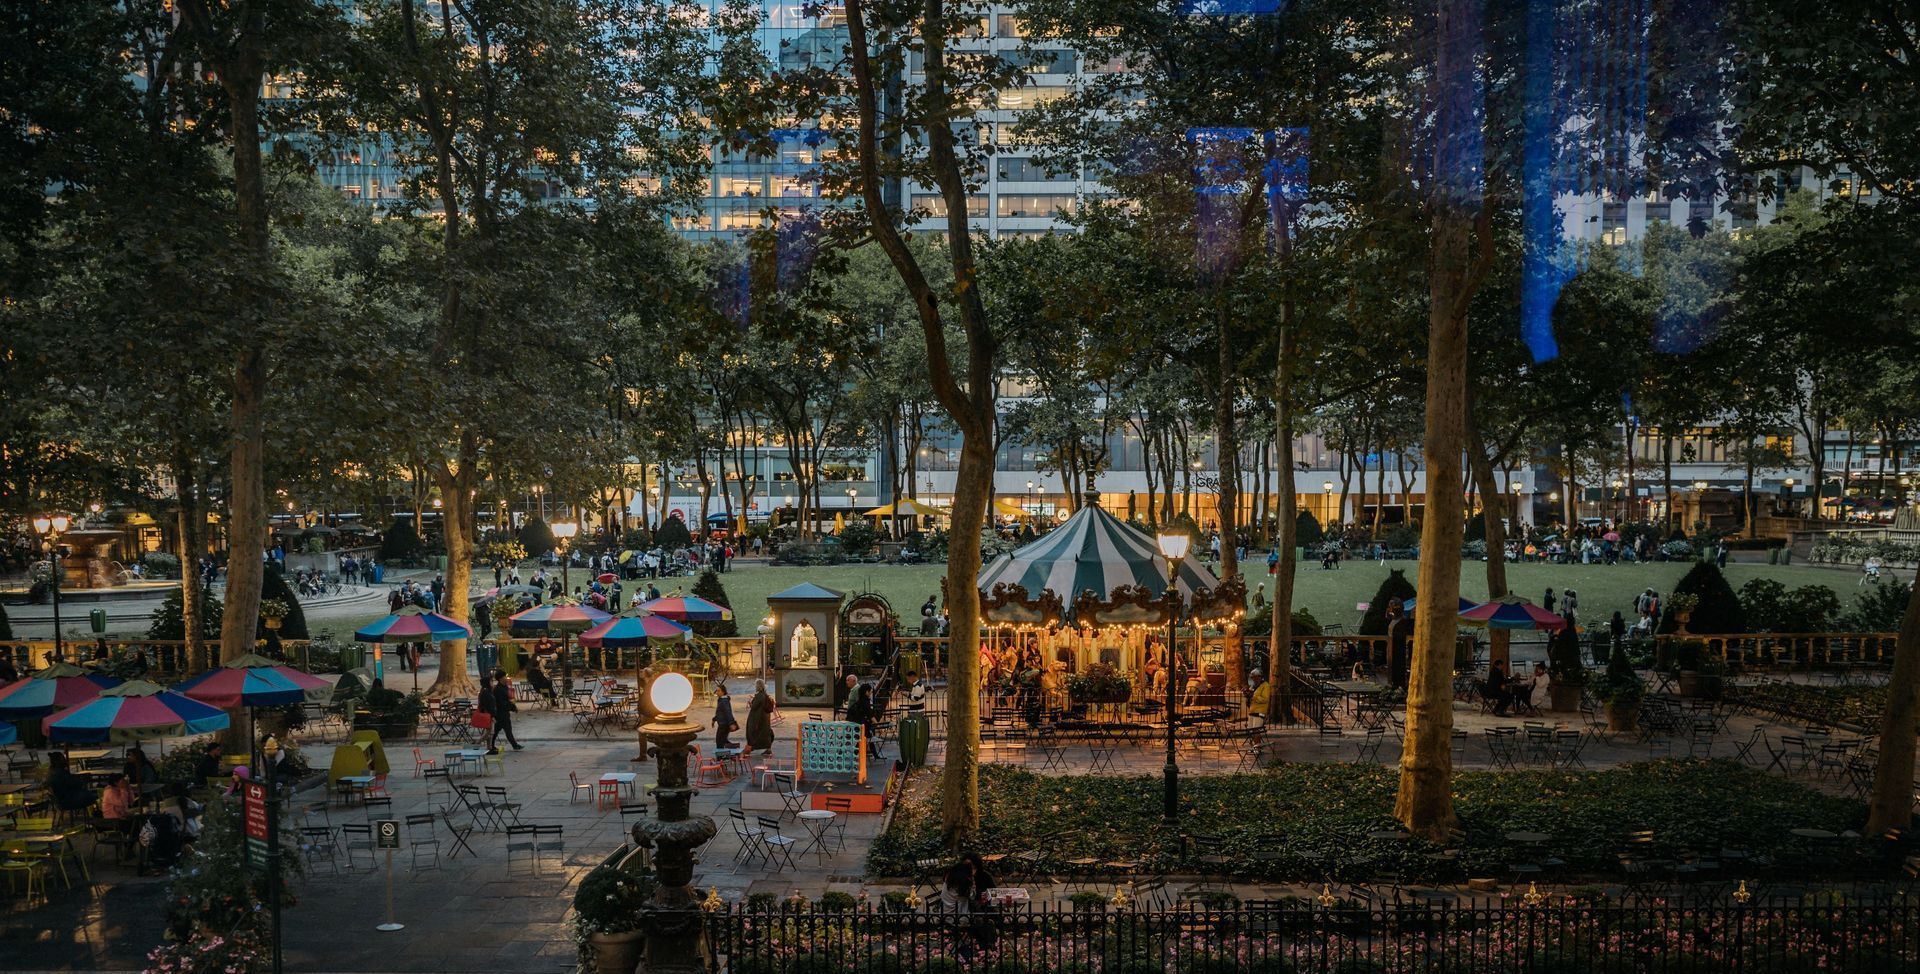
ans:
(1303, 937)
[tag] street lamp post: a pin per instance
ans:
(1174, 547)
(564, 533)
(1516, 487)
(51, 527)
(673, 923)
(1333, 516)
(1029, 508)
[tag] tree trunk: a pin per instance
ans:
(456, 491)
(1892, 803)
(1424, 803)
(1480, 467)
(1280, 645)
(1227, 440)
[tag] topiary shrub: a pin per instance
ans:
(536, 537)
(1719, 609)
(1395, 586)
(708, 586)
(273, 585)
(1563, 658)
(1307, 530)
(673, 534)
(401, 543)
(636, 538)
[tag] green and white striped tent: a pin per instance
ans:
(1095, 553)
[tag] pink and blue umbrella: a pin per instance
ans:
(638, 629)
(133, 711)
(1512, 612)
(53, 689)
(689, 608)
(8, 734)
(255, 681)
(413, 626)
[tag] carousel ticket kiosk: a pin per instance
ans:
(806, 645)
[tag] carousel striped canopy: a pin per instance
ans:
(1093, 551)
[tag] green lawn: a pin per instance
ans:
(1316, 820)
(1329, 595)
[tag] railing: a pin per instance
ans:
(1336, 649)
(1301, 937)
(1808, 649)
(165, 657)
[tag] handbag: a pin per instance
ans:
(481, 719)
(733, 727)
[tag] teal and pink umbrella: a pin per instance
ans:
(689, 608)
(1512, 612)
(255, 681)
(413, 626)
(133, 711)
(637, 629)
(53, 689)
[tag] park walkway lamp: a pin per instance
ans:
(1174, 546)
(51, 527)
(563, 534)
(674, 923)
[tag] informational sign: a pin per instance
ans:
(386, 834)
(867, 610)
(254, 812)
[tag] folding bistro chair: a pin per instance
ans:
(421, 839)
(777, 847)
(460, 835)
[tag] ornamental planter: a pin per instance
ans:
(1621, 717)
(617, 953)
(1705, 686)
(1564, 699)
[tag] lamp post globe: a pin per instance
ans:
(674, 923)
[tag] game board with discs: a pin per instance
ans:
(832, 749)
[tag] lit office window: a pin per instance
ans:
(936, 206)
(1009, 25)
(1034, 204)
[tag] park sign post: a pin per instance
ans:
(386, 835)
(258, 822)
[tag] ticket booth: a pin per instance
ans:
(805, 645)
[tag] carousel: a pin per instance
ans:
(1082, 614)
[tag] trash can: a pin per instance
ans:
(440, 563)
(352, 656)
(909, 663)
(97, 620)
(913, 730)
(379, 572)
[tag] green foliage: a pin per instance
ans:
(1879, 608)
(836, 901)
(385, 705)
(1307, 530)
(858, 536)
(708, 586)
(609, 899)
(1719, 609)
(400, 544)
(161, 564)
(1620, 686)
(673, 534)
(1394, 586)
(1771, 608)
(216, 906)
(536, 536)
(636, 538)
(167, 622)
(1563, 658)
(1312, 818)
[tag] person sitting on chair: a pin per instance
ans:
(1498, 690)
(541, 683)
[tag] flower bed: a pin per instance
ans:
(1312, 820)
(1559, 936)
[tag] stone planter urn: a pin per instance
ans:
(1564, 699)
(1621, 717)
(617, 953)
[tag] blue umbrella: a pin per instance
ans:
(1465, 604)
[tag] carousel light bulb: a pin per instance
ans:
(671, 694)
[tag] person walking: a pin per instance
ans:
(723, 722)
(860, 710)
(503, 708)
(1547, 603)
(760, 719)
(483, 703)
